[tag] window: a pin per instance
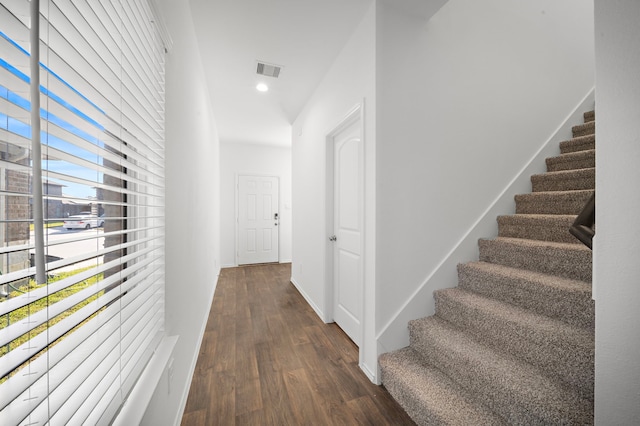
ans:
(73, 346)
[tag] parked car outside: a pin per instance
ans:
(81, 221)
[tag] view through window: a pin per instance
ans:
(72, 348)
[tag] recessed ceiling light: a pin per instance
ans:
(261, 87)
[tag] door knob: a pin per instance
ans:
(333, 238)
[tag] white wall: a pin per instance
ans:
(617, 242)
(350, 80)
(464, 101)
(250, 159)
(192, 211)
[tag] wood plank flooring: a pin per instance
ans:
(267, 359)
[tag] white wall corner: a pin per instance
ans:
(310, 301)
(616, 246)
(371, 373)
(395, 334)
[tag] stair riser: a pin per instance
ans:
(584, 129)
(582, 143)
(556, 230)
(427, 395)
(574, 264)
(404, 394)
(503, 385)
(515, 339)
(585, 160)
(462, 371)
(557, 352)
(573, 307)
(560, 203)
(573, 181)
(589, 116)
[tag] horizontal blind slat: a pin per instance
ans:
(14, 276)
(79, 338)
(75, 383)
(17, 329)
(69, 360)
(103, 131)
(35, 344)
(21, 301)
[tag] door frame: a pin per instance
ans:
(354, 115)
(236, 191)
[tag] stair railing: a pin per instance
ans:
(584, 227)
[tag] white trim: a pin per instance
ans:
(354, 115)
(315, 307)
(329, 218)
(365, 289)
(194, 359)
(135, 405)
(394, 334)
(371, 375)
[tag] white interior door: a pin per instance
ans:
(258, 201)
(347, 221)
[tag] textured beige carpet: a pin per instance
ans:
(514, 342)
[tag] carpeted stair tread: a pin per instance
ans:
(589, 116)
(564, 260)
(427, 395)
(564, 299)
(571, 161)
(553, 202)
(561, 351)
(515, 339)
(581, 143)
(584, 129)
(513, 389)
(545, 227)
(566, 180)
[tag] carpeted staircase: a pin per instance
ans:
(514, 342)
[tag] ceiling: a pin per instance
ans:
(303, 36)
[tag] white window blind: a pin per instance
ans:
(72, 348)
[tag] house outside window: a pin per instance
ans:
(91, 327)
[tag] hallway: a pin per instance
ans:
(267, 359)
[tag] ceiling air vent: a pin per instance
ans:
(269, 70)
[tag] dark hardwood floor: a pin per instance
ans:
(267, 359)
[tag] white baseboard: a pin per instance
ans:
(315, 307)
(370, 374)
(234, 265)
(192, 368)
